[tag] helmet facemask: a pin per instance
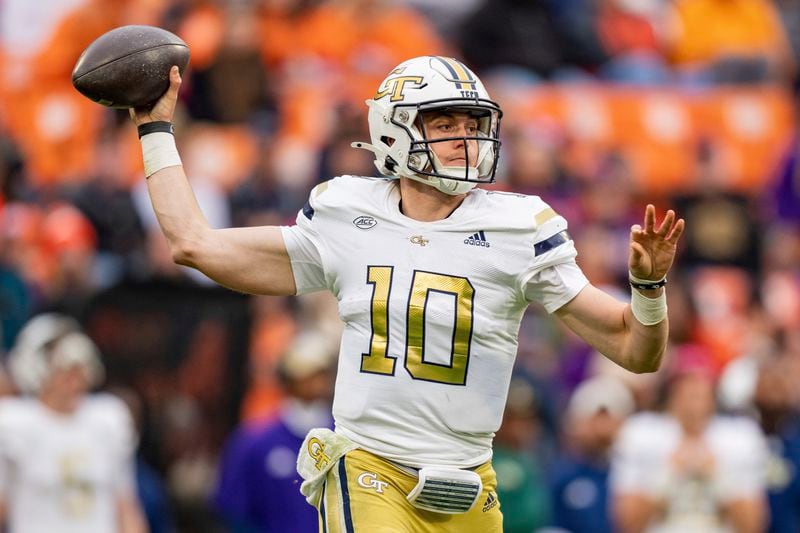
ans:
(479, 148)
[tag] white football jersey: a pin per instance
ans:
(431, 310)
(64, 472)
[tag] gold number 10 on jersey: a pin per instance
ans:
(378, 361)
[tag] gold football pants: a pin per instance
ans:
(366, 494)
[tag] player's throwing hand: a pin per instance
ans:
(164, 108)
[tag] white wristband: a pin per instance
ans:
(648, 311)
(159, 151)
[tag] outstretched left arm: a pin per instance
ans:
(614, 328)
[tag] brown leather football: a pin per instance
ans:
(129, 66)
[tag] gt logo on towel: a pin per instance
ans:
(369, 480)
(317, 452)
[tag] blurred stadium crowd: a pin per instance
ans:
(609, 104)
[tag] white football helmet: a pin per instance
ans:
(432, 84)
(49, 341)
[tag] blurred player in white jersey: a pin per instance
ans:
(432, 276)
(66, 456)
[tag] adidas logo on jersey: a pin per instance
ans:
(478, 239)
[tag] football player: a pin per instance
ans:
(432, 276)
(66, 456)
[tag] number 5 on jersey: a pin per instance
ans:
(378, 360)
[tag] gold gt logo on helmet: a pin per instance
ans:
(395, 86)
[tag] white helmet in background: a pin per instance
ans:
(424, 85)
(310, 352)
(49, 341)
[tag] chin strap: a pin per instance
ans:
(458, 173)
(452, 187)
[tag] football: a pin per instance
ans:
(129, 66)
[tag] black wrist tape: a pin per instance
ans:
(648, 286)
(157, 126)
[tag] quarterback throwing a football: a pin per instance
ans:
(432, 276)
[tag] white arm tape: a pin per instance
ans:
(159, 152)
(648, 311)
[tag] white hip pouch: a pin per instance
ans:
(446, 490)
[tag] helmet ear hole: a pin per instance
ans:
(388, 141)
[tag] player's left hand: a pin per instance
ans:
(652, 249)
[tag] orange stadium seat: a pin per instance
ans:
(747, 27)
(582, 113)
(56, 129)
(365, 43)
(129, 152)
(203, 30)
(655, 133)
(279, 37)
(751, 128)
(337, 51)
(55, 126)
(658, 130)
(271, 335)
(225, 154)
